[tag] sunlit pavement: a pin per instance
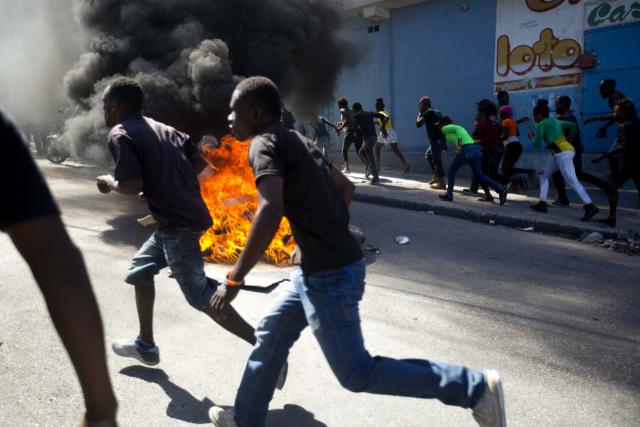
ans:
(559, 319)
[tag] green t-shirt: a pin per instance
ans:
(552, 132)
(453, 133)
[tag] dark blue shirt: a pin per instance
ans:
(159, 155)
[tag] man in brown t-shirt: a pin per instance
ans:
(295, 180)
(165, 164)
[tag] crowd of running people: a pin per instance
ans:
(493, 149)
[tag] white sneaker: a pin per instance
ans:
(489, 412)
(131, 348)
(221, 418)
(346, 171)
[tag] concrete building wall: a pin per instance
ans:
(412, 56)
(443, 52)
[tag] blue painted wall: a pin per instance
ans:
(523, 103)
(431, 48)
(444, 53)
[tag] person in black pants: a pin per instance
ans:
(491, 150)
(562, 109)
(629, 139)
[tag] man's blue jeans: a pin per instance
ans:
(471, 154)
(434, 157)
(328, 302)
(180, 251)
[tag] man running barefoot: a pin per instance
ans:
(165, 164)
(388, 137)
(295, 181)
(352, 134)
(629, 140)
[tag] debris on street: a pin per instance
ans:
(594, 237)
(627, 241)
(403, 240)
(370, 248)
(530, 229)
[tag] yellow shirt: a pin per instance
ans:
(563, 145)
(388, 126)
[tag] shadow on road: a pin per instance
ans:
(126, 230)
(185, 407)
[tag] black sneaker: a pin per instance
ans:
(559, 204)
(523, 183)
(589, 211)
(539, 207)
(503, 195)
(445, 197)
(469, 192)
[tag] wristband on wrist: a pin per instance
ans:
(232, 283)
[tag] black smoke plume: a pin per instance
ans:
(188, 55)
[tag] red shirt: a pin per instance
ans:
(488, 136)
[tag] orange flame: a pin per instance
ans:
(231, 196)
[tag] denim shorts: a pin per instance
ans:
(180, 251)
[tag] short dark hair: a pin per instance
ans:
(380, 102)
(445, 120)
(343, 103)
(502, 93)
(357, 106)
(127, 92)
(489, 107)
(543, 102)
(625, 104)
(541, 109)
(262, 92)
(565, 100)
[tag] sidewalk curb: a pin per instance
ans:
(450, 210)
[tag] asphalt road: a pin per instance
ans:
(559, 319)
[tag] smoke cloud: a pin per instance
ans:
(189, 55)
(39, 41)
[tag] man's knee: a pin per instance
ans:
(198, 291)
(141, 275)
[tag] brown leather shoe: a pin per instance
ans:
(434, 179)
(439, 184)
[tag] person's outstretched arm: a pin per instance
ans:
(59, 270)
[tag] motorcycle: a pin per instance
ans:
(56, 149)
